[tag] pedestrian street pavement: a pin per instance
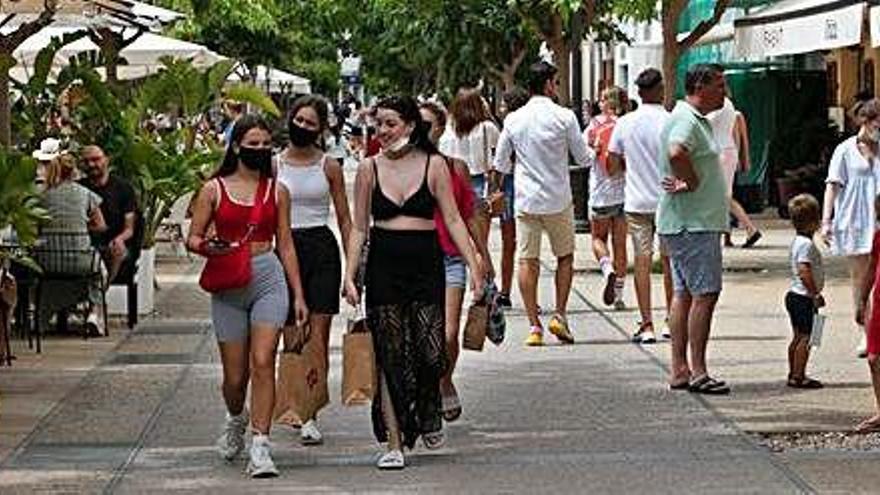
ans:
(594, 417)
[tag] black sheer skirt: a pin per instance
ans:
(405, 312)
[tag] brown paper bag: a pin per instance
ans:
(475, 328)
(358, 365)
(301, 388)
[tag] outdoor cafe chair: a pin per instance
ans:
(71, 268)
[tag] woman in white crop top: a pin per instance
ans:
(314, 180)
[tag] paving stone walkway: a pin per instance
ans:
(594, 416)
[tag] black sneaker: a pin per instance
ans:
(504, 300)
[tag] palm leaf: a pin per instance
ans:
(248, 93)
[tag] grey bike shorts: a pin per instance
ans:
(265, 301)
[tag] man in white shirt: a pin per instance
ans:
(635, 148)
(542, 135)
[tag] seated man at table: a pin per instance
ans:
(118, 206)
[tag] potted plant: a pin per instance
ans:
(799, 160)
(165, 166)
(20, 210)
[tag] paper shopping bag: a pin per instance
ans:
(358, 365)
(475, 328)
(301, 389)
(818, 330)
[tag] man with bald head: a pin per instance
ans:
(118, 206)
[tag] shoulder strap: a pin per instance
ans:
(257, 209)
(486, 166)
(369, 213)
(221, 192)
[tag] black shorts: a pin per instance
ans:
(320, 268)
(801, 312)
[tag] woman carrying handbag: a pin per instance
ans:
(248, 282)
(456, 272)
(472, 137)
(400, 190)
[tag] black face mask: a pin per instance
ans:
(256, 158)
(302, 137)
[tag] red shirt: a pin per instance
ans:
(464, 199)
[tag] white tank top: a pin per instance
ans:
(723, 120)
(309, 192)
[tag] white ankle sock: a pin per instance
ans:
(605, 266)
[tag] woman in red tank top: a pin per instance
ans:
(456, 272)
(247, 320)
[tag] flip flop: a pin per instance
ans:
(451, 408)
(806, 383)
(753, 239)
(870, 425)
(708, 386)
(435, 440)
(685, 385)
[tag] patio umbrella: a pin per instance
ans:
(274, 80)
(24, 18)
(143, 56)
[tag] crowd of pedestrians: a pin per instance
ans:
(426, 190)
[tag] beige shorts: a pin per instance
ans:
(642, 228)
(559, 228)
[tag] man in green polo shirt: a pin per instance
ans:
(691, 216)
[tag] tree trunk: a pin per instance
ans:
(508, 78)
(670, 13)
(670, 64)
(562, 57)
(6, 63)
(673, 48)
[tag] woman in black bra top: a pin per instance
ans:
(404, 283)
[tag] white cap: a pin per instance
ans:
(50, 148)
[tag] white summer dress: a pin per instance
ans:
(854, 217)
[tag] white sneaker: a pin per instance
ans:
(862, 348)
(261, 464)
(648, 337)
(666, 333)
(310, 434)
(95, 325)
(393, 459)
(231, 441)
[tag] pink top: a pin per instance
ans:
(464, 199)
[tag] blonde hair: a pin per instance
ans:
(61, 169)
(615, 97)
(804, 212)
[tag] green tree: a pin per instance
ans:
(673, 47)
(246, 30)
(552, 20)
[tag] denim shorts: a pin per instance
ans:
(478, 182)
(606, 212)
(456, 272)
(695, 259)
